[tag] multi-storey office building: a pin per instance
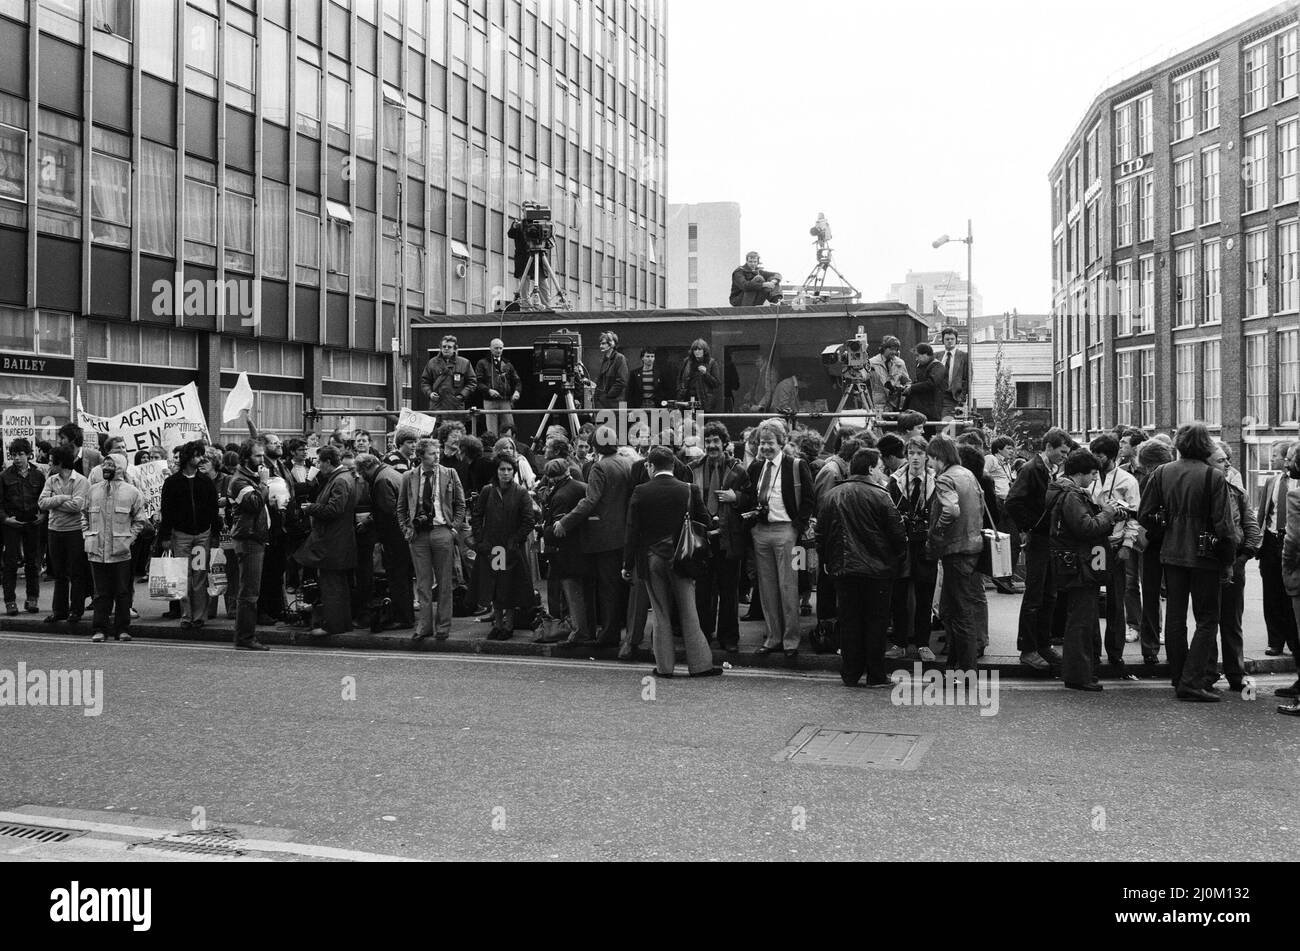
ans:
(1176, 245)
(193, 188)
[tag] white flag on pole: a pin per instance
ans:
(240, 399)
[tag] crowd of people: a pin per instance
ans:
(575, 540)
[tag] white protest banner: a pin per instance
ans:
(149, 479)
(18, 423)
(169, 420)
(419, 422)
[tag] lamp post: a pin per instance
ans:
(969, 241)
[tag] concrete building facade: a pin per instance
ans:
(703, 249)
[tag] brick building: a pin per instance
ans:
(1176, 245)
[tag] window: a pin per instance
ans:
(58, 184)
(1146, 297)
(364, 103)
(693, 237)
(1184, 287)
(1257, 378)
(1124, 280)
(276, 412)
(364, 231)
(1209, 98)
(1288, 377)
(1123, 134)
(275, 73)
(200, 212)
(1184, 195)
(110, 189)
(1146, 207)
(1257, 274)
(157, 199)
(1212, 377)
(1210, 186)
(1148, 387)
(308, 98)
(1288, 267)
(1184, 384)
(338, 245)
(35, 331)
(1096, 401)
(1145, 126)
(62, 18)
(200, 52)
(1254, 171)
(275, 229)
(1288, 168)
(1211, 283)
(1255, 85)
(239, 69)
(158, 38)
(1124, 383)
(1286, 64)
(337, 92)
(1124, 214)
(238, 224)
(1184, 107)
(148, 346)
(13, 151)
(1076, 399)
(264, 358)
(307, 255)
(112, 16)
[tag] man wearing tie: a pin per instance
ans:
(430, 507)
(957, 364)
(1278, 616)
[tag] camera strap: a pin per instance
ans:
(1209, 507)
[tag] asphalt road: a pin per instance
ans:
(455, 757)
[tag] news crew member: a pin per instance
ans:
(501, 387)
(448, 380)
(430, 509)
(751, 286)
(700, 379)
(649, 387)
(722, 481)
(611, 381)
(888, 377)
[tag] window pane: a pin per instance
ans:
(13, 163)
(275, 74)
(110, 200)
(239, 232)
(157, 199)
(275, 229)
(308, 92)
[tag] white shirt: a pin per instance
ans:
(1279, 501)
(775, 498)
(437, 493)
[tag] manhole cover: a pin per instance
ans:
(42, 834)
(214, 842)
(819, 746)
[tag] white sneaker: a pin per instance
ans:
(926, 654)
(135, 614)
(1132, 636)
(895, 653)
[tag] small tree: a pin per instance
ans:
(1006, 418)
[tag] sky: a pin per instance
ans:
(900, 121)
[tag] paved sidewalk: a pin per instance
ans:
(470, 636)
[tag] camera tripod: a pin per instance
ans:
(570, 406)
(815, 284)
(539, 289)
(857, 392)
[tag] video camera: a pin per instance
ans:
(557, 357)
(537, 227)
(848, 359)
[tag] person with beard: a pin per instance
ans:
(448, 380)
(700, 379)
(248, 495)
(721, 481)
(862, 540)
(188, 517)
(332, 546)
(1079, 527)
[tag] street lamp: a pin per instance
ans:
(969, 241)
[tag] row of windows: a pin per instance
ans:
(1197, 377)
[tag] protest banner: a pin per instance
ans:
(421, 423)
(149, 479)
(169, 420)
(18, 423)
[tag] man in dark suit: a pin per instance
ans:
(722, 481)
(656, 516)
(1278, 617)
(385, 494)
(1027, 504)
(638, 602)
(926, 395)
(602, 518)
(956, 363)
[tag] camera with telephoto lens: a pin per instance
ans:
(759, 514)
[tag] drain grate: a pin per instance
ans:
(819, 746)
(216, 843)
(36, 834)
